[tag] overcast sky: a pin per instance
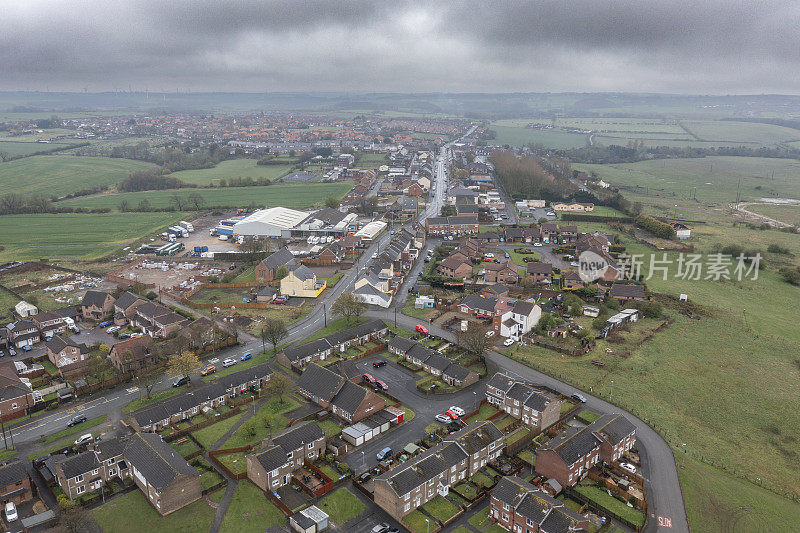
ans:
(696, 46)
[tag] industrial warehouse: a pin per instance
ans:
(287, 223)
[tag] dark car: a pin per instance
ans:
(181, 381)
(378, 364)
(77, 419)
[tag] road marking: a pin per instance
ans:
(214, 360)
(132, 390)
(664, 521)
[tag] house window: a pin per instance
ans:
(14, 405)
(407, 507)
(505, 508)
(275, 483)
(79, 478)
(112, 472)
(94, 472)
(111, 461)
(310, 445)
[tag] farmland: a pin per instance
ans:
(284, 194)
(788, 213)
(17, 148)
(77, 236)
(235, 168)
(520, 136)
(58, 175)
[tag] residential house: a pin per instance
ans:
(520, 507)
(125, 305)
(15, 483)
(625, 292)
(497, 290)
(15, 396)
(518, 320)
(166, 479)
(372, 295)
(68, 356)
(568, 234)
(515, 235)
(273, 465)
(571, 280)
(267, 269)
(433, 363)
(97, 305)
(431, 473)
(567, 457)
(537, 408)
(572, 207)
(301, 282)
(332, 253)
(549, 233)
(49, 323)
(539, 272)
(452, 226)
(133, 354)
(90, 470)
(454, 267)
(505, 272)
(476, 305)
(22, 333)
(336, 394)
(321, 349)
(157, 320)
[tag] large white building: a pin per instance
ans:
(285, 223)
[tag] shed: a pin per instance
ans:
(317, 515)
(302, 523)
(399, 414)
(411, 448)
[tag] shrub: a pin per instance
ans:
(656, 227)
(777, 249)
(651, 309)
(790, 275)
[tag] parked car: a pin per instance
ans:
(629, 467)
(381, 384)
(490, 333)
(124, 336)
(508, 342)
(12, 352)
(368, 378)
(451, 414)
(105, 323)
(383, 527)
(11, 512)
(137, 334)
(181, 381)
(230, 361)
(26, 348)
(84, 439)
(457, 410)
(442, 418)
(113, 329)
(384, 454)
(507, 256)
(489, 255)
(77, 419)
(394, 530)
(246, 356)
(210, 369)
(2, 353)
(378, 364)
(580, 397)
(422, 329)
(537, 244)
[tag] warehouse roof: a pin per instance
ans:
(276, 216)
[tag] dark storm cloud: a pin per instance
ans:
(617, 45)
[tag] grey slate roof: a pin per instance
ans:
(296, 353)
(475, 436)
(349, 397)
(457, 372)
(127, 299)
(302, 272)
(96, 298)
(298, 436)
(613, 427)
(622, 290)
(423, 467)
(401, 344)
(109, 448)
(158, 462)
(280, 258)
(58, 343)
(539, 268)
(572, 445)
(12, 473)
(320, 382)
(272, 458)
(79, 464)
(474, 301)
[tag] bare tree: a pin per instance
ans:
(278, 385)
(197, 200)
(178, 201)
(348, 305)
(474, 341)
(273, 331)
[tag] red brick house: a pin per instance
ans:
(539, 272)
(133, 354)
(454, 267)
(505, 273)
(266, 270)
(97, 305)
(571, 280)
(336, 394)
(15, 396)
(520, 507)
(15, 483)
(69, 357)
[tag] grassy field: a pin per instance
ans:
(17, 148)
(57, 175)
(132, 512)
(235, 168)
(724, 384)
(783, 212)
(273, 407)
(292, 195)
(732, 132)
(521, 136)
(76, 235)
(250, 511)
(211, 434)
(696, 185)
(341, 506)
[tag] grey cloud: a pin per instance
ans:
(583, 45)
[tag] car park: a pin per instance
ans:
(629, 467)
(75, 420)
(207, 371)
(181, 381)
(246, 356)
(84, 439)
(368, 378)
(451, 414)
(457, 410)
(384, 454)
(11, 512)
(381, 384)
(508, 342)
(580, 397)
(421, 329)
(442, 418)
(378, 364)
(229, 362)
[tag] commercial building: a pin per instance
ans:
(272, 222)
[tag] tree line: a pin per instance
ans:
(637, 151)
(532, 176)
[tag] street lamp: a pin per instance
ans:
(684, 455)
(612, 390)
(427, 525)
(363, 464)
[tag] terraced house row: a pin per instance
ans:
(321, 349)
(413, 483)
(537, 408)
(280, 456)
(433, 363)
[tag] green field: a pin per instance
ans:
(788, 213)
(30, 237)
(57, 175)
(235, 168)
(292, 195)
(747, 133)
(665, 182)
(15, 148)
(520, 136)
(250, 510)
(132, 512)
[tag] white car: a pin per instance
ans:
(508, 342)
(442, 418)
(629, 467)
(229, 362)
(537, 244)
(490, 255)
(84, 439)
(490, 333)
(457, 410)
(113, 329)
(11, 512)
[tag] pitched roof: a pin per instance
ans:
(58, 343)
(277, 259)
(614, 428)
(429, 464)
(137, 347)
(629, 290)
(272, 458)
(96, 298)
(538, 268)
(457, 372)
(523, 308)
(298, 436)
(12, 473)
(476, 436)
(402, 344)
(107, 449)
(473, 301)
(320, 382)
(297, 353)
(572, 445)
(349, 397)
(302, 272)
(127, 299)
(79, 464)
(158, 462)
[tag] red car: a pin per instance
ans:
(368, 378)
(382, 385)
(451, 414)
(422, 329)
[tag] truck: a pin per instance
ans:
(178, 231)
(223, 230)
(186, 225)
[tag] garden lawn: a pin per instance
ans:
(330, 428)
(479, 478)
(132, 513)
(235, 462)
(416, 522)
(419, 314)
(335, 326)
(274, 407)
(479, 519)
(75, 429)
(601, 498)
(441, 509)
(341, 506)
(185, 448)
(250, 511)
(329, 471)
(211, 434)
(483, 413)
